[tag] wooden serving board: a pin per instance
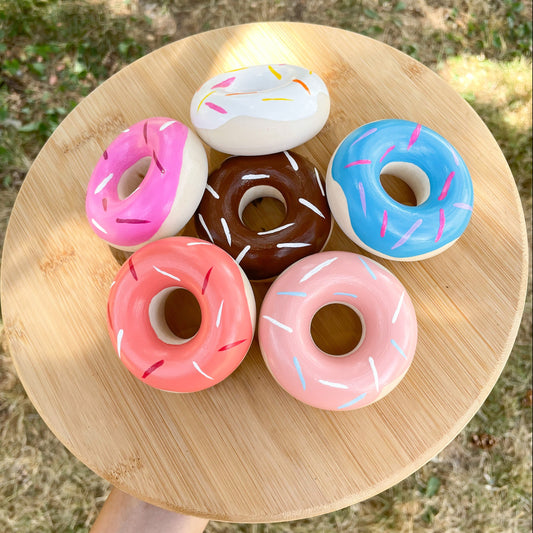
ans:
(244, 450)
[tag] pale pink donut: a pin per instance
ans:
(174, 162)
(140, 334)
(374, 367)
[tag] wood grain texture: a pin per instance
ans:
(246, 451)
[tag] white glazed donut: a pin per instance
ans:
(260, 109)
(127, 212)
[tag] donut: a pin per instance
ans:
(424, 160)
(260, 109)
(372, 368)
(141, 335)
(286, 176)
(127, 212)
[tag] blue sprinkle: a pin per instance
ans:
(351, 402)
(299, 370)
(395, 344)
(344, 294)
(293, 293)
(368, 268)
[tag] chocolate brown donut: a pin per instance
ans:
(287, 176)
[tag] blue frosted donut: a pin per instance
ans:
(424, 160)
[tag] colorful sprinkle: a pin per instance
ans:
(120, 334)
(104, 204)
(352, 402)
(158, 164)
(384, 223)
(319, 181)
(374, 372)
(366, 134)
(311, 206)
(195, 364)
(204, 99)
(226, 83)
(414, 136)
(395, 344)
(166, 125)
(446, 187)
(275, 230)
(132, 269)
(292, 293)
(216, 108)
(277, 323)
(317, 269)
(358, 162)
(277, 74)
(442, 221)
(145, 132)
(365, 264)
(131, 221)
(255, 176)
(225, 227)
(270, 99)
(204, 225)
(345, 294)
(362, 196)
(155, 366)
(166, 274)
(389, 149)
(299, 370)
(303, 85)
(398, 307)
(212, 191)
(206, 280)
(463, 206)
(408, 234)
(293, 163)
(242, 253)
(231, 345)
(105, 154)
(103, 183)
(292, 244)
(219, 314)
(96, 225)
(332, 384)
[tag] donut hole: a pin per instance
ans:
(262, 208)
(405, 183)
(337, 329)
(132, 177)
(175, 315)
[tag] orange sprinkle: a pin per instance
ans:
(277, 74)
(235, 94)
(303, 85)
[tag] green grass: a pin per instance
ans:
(54, 53)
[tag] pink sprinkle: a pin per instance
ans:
(131, 221)
(358, 162)
(158, 164)
(132, 269)
(230, 345)
(105, 154)
(225, 83)
(444, 191)
(369, 132)
(216, 108)
(155, 366)
(404, 239)
(104, 203)
(442, 221)
(386, 152)
(206, 280)
(145, 132)
(362, 196)
(384, 223)
(414, 135)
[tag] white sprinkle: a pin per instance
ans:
(166, 125)
(226, 230)
(319, 183)
(293, 163)
(212, 191)
(255, 176)
(397, 312)
(244, 251)
(278, 324)
(334, 385)
(112, 283)
(275, 230)
(119, 341)
(167, 274)
(103, 183)
(292, 244)
(318, 268)
(198, 244)
(219, 314)
(204, 225)
(308, 204)
(375, 372)
(195, 364)
(126, 130)
(98, 226)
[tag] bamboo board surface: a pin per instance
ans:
(244, 450)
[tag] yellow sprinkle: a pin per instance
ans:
(267, 99)
(204, 99)
(277, 74)
(236, 69)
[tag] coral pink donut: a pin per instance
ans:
(381, 358)
(136, 314)
(147, 184)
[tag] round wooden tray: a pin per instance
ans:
(246, 451)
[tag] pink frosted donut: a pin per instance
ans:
(127, 210)
(142, 337)
(365, 374)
